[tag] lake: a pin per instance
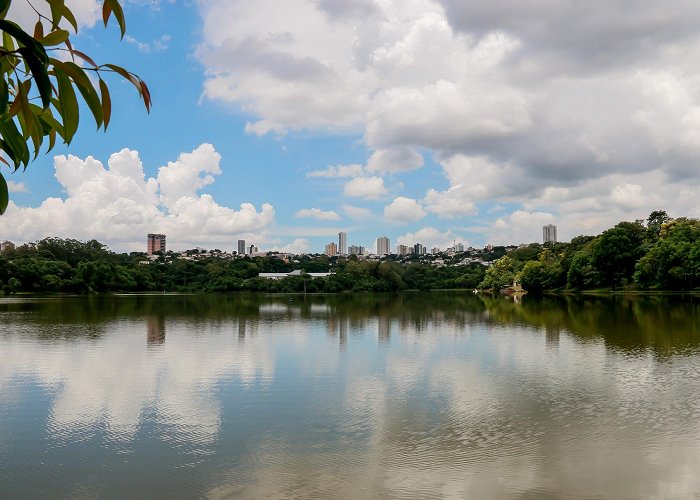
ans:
(418, 395)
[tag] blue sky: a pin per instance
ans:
(427, 121)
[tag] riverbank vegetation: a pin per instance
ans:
(69, 266)
(658, 253)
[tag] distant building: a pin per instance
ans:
(6, 245)
(252, 249)
(459, 247)
(331, 249)
(155, 243)
(356, 250)
(418, 249)
(383, 245)
(549, 233)
(241, 247)
(435, 250)
(343, 243)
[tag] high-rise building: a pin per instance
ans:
(418, 249)
(383, 245)
(331, 249)
(343, 243)
(6, 245)
(402, 250)
(356, 250)
(549, 233)
(435, 250)
(241, 247)
(155, 243)
(459, 247)
(252, 249)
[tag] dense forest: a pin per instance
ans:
(658, 253)
(70, 266)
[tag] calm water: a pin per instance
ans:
(439, 395)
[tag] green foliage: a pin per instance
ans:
(38, 97)
(673, 262)
(616, 251)
(57, 265)
(501, 273)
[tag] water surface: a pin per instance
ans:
(441, 395)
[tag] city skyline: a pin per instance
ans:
(484, 137)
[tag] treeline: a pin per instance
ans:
(70, 266)
(658, 253)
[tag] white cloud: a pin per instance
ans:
(431, 237)
(333, 171)
(404, 210)
(17, 187)
(86, 13)
(394, 160)
(118, 205)
(318, 214)
(357, 213)
(521, 226)
(158, 45)
(370, 188)
(514, 102)
(298, 246)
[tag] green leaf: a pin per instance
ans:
(40, 73)
(4, 195)
(68, 105)
(4, 7)
(110, 7)
(25, 39)
(46, 117)
(84, 86)
(16, 145)
(106, 103)
(56, 37)
(60, 11)
(4, 95)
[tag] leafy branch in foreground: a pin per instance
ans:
(38, 98)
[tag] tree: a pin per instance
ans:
(38, 97)
(616, 252)
(501, 273)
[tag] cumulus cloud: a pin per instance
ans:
(370, 188)
(333, 171)
(404, 210)
(394, 160)
(357, 213)
(521, 226)
(118, 205)
(86, 13)
(17, 187)
(298, 246)
(431, 237)
(318, 214)
(514, 101)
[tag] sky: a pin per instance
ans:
(427, 121)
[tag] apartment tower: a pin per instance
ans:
(383, 245)
(549, 233)
(343, 243)
(155, 243)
